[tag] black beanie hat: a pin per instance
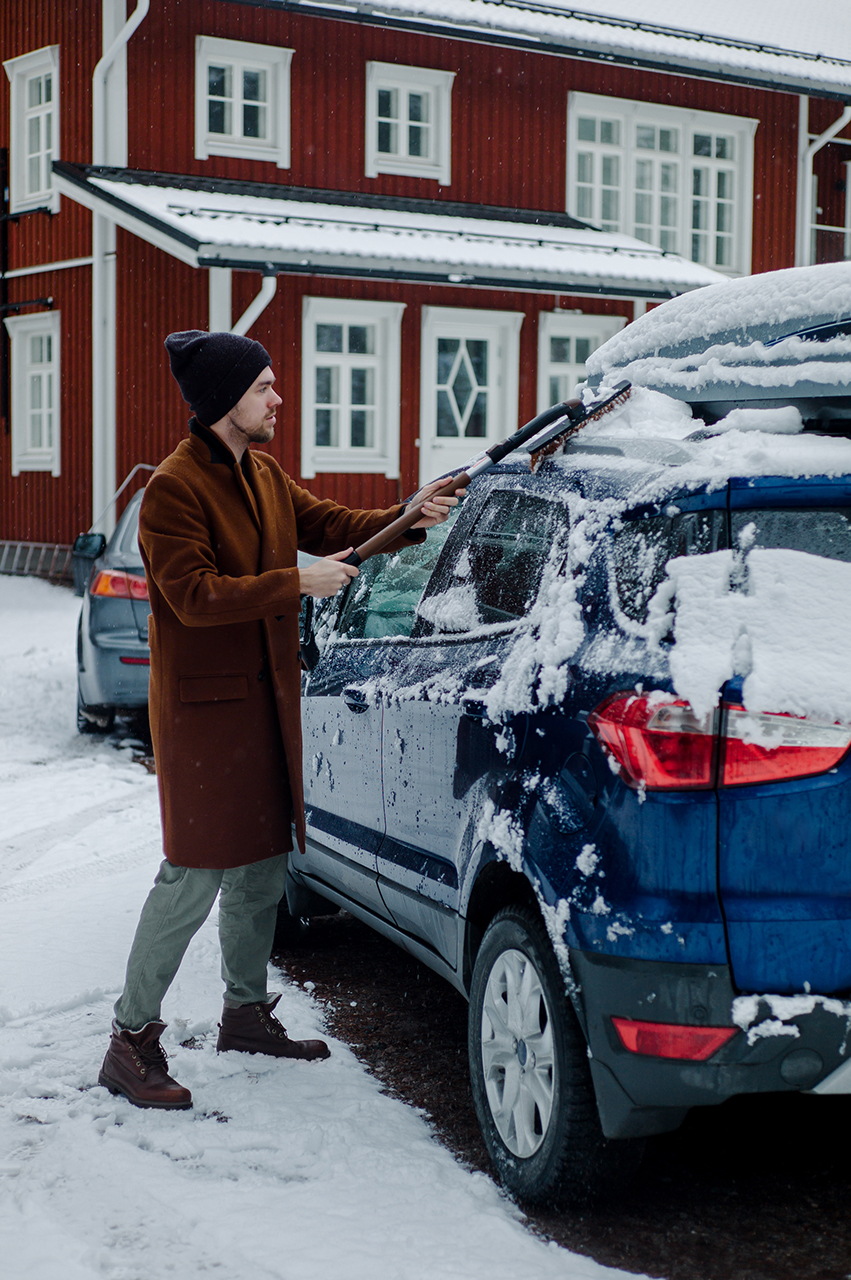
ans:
(213, 370)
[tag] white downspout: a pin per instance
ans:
(104, 298)
(806, 151)
(258, 306)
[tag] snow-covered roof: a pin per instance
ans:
(809, 49)
(210, 224)
(757, 336)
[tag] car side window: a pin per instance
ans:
(382, 600)
(495, 572)
(818, 531)
(641, 549)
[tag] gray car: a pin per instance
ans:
(113, 659)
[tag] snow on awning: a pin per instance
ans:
(282, 229)
(660, 39)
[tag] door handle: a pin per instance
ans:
(355, 699)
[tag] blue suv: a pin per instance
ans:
(643, 891)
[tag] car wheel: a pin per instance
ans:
(93, 719)
(529, 1071)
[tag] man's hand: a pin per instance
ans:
(325, 577)
(436, 511)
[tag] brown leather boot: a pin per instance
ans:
(253, 1028)
(137, 1067)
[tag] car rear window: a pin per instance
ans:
(822, 532)
(641, 549)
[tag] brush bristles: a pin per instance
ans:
(558, 442)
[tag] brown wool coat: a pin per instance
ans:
(219, 543)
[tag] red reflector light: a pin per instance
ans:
(671, 1040)
(120, 585)
(657, 741)
(136, 662)
(764, 746)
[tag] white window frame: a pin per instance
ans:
(241, 55)
(502, 328)
(403, 80)
(20, 72)
(21, 329)
(383, 457)
(629, 116)
(566, 324)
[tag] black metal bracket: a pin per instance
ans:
(29, 302)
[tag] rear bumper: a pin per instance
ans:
(107, 681)
(638, 1094)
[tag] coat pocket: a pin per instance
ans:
(213, 688)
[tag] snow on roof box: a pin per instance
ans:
(781, 335)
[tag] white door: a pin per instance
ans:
(468, 397)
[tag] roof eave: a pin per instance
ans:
(613, 54)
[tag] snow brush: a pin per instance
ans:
(543, 436)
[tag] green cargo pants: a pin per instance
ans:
(177, 906)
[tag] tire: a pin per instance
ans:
(529, 1072)
(93, 719)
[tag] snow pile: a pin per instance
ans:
(766, 632)
(282, 1169)
(738, 333)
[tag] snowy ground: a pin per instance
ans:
(283, 1171)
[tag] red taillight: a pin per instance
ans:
(764, 746)
(671, 1040)
(118, 584)
(657, 741)
(135, 662)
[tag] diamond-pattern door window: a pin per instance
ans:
(462, 387)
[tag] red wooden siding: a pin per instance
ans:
(509, 113)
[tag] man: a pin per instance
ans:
(219, 528)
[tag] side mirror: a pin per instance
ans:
(86, 549)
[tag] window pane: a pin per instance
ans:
(387, 134)
(361, 339)
(418, 107)
(254, 86)
(462, 387)
(35, 391)
(218, 117)
(329, 337)
(477, 426)
(327, 385)
(585, 167)
(327, 428)
(725, 185)
(583, 349)
(387, 104)
(253, 121)
(477, 350)
(362, 428)
(36, 349)
(48, 88)
(611, 171)
(645, 137)
(643, 210)
(447, 349)
(446, 424)
(560, 350)
(584, 203)
(417, 140)
(34, 87)
(220, 82)
(644, 175)
(363, 386)
(611, 208)
(586, 129)
(558, 389)
(724, 148)
(703, 144)
(610, 132)
(669, 140)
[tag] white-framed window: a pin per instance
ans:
(565, 341)
(676, 178)
(34, 129)
(469, 384)
(242, 100)
(35, 392)
(351, 371)
(408, 121)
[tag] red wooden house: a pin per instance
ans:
(430, 213)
